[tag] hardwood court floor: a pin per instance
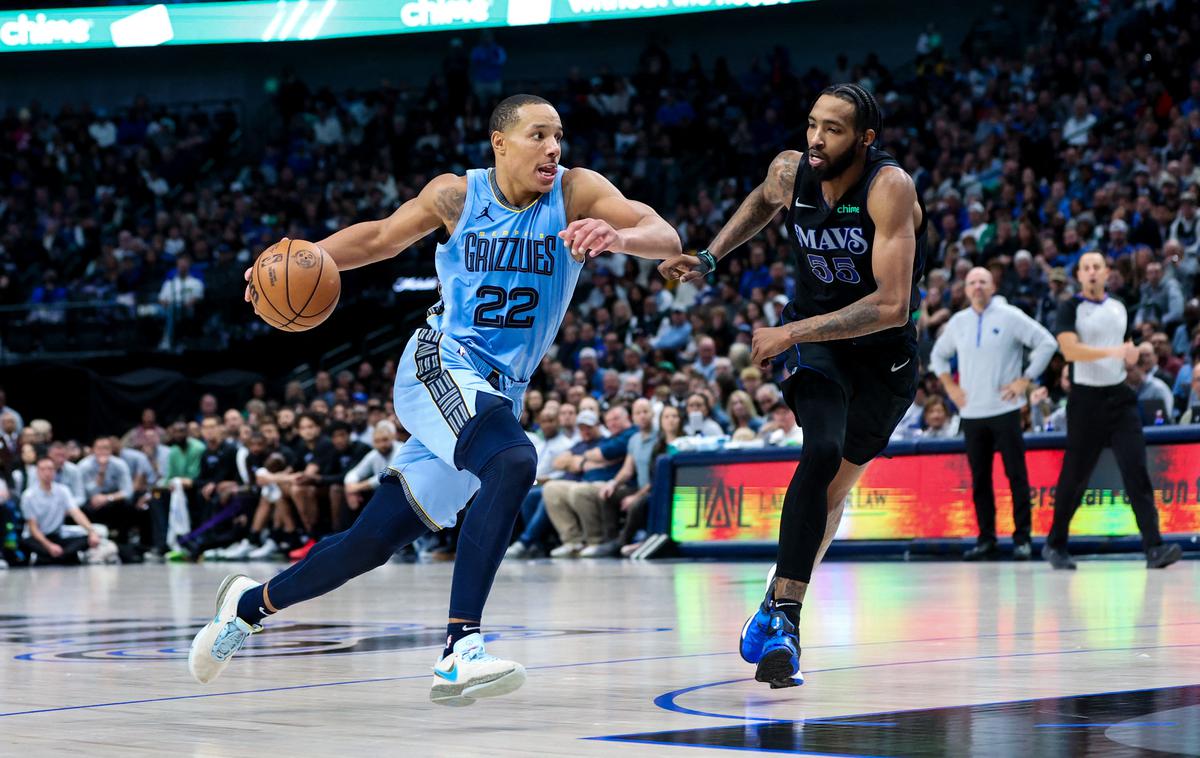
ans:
(623, 658)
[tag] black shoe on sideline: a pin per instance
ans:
(1059, 559)
(1022, 551)
(1161, 556)
(984, 551)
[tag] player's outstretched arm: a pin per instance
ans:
(890, 204)
(601, 219)
(755, 212)
(438, 205)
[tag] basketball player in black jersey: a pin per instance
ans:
(857, 230)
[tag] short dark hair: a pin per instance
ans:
(505, 113)
(311, 417)
(338, 426)
(866, 109)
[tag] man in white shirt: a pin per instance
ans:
(990, 339)
(45, 506)
(1079, 126)
(362, 480)
(178, 297)
(67, 473)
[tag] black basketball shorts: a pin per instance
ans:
(879, 381)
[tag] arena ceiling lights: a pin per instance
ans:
(293, 20)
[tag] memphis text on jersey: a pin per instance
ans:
(501, 252)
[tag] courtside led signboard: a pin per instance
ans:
(928, 496)
(290, 20)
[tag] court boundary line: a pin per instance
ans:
(666, 701)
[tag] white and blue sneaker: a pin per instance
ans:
(758, 627)
(779, 664)
(469, 673)
(220, 638)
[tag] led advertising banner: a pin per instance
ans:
(290, 20)
(928, 496)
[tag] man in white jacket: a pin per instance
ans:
(990, 339)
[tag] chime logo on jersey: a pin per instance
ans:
(850, 238)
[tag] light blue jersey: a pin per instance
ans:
(506, 277)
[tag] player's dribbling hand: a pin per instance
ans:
(685, 268)
(590, 236)
(769, 341)
(250, 269)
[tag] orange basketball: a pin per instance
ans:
(295, 285)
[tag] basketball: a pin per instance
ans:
(295, 285)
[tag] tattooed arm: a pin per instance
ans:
(437, 206)
(892, 204)
(755, 212)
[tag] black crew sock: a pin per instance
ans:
(455, 631)
(789, 608)
(251, 606)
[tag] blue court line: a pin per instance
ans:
(666, 701)
(333, 684)
(1093, 726)
(726, 747)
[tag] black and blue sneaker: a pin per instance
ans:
(779, 662)
(757, 627)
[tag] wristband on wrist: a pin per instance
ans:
(707, 261)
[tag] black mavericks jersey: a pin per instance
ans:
(833, 248)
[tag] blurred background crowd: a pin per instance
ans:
(131, 223)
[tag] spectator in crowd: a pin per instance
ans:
(346, 455)
(67, 473)
(1046, 413)
(178, 297)
(108, 488)
(1154, 396)
(575, 506)
(706, 358)
(700, 422)
(742, 413)
(670, 429)
(1192, 414)
(1161, 298)
(315, 460)
(937, 421)
(551, 443)
(46, 505)
(781, 430)
(5, 410)
(631, 485)
(360, 482)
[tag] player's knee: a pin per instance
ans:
(490, 432)
(824, 454)
(517, 465)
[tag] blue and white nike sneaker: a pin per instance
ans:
(779, 664)
(470, 673)
(757, 627)
(220, 638)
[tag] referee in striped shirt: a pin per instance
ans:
(1102, 411)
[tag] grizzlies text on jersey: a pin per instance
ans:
(833, 248)
(506, 276)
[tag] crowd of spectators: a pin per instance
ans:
(1085, 139)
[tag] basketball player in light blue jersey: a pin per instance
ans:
(515, 238)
